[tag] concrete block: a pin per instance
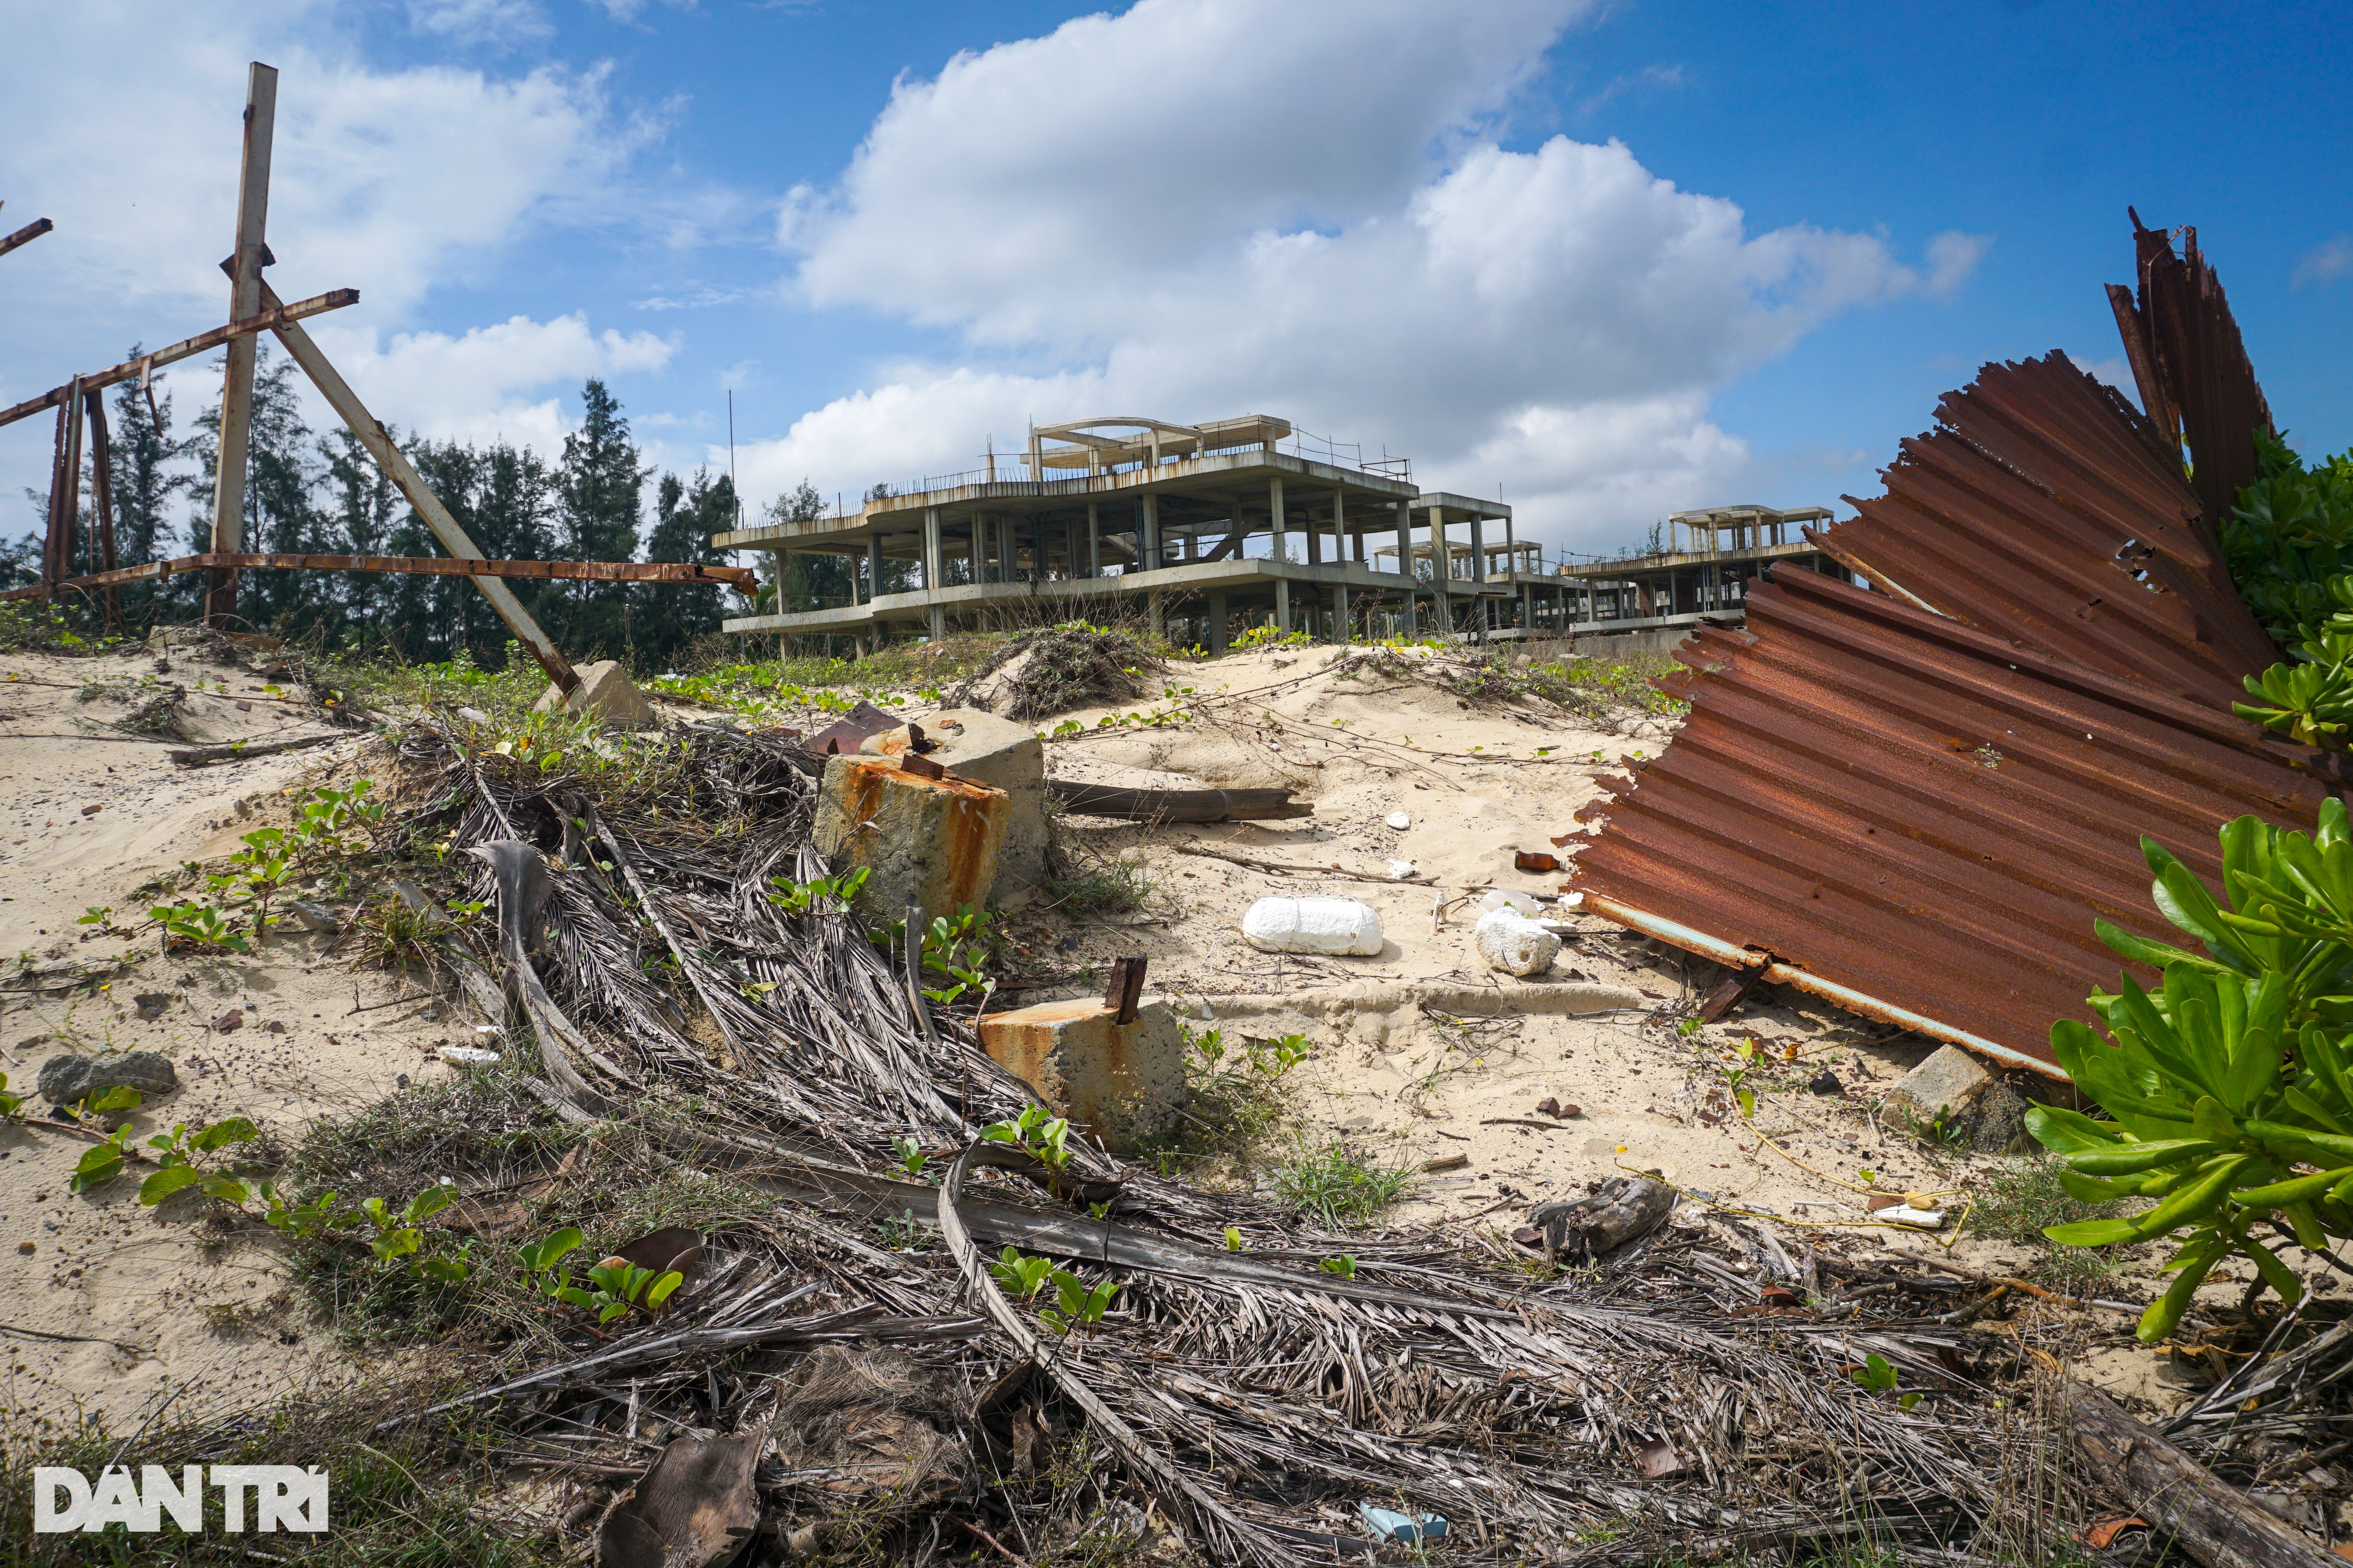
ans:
(1121, 1082)
(1949, 1083)
(1510, 941)
(1007, 756)
(606, 691)
(933, 842)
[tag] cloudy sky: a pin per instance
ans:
(1610, 259)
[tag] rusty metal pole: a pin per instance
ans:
(418, 494)
(54, 569)
(101, 496)
(244, 300)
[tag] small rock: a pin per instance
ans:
(473, 716)
(1947, 1084)
(93, 810)
(1827, 1083)
(26, 1248)
(232, 1019)
(1548, 1106)
(314, 917)
(1400, 820)
(274, 1026)
(400, 1081)
(69, 1080)
(152, 1003)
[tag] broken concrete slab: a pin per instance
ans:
(932, 842)
(1123, 1083)
(1512, 943)
(605, 690)
(1007, 756)
(1947, 1084)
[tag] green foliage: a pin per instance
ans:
(1077, 1304)
(197, 925)
(957, 948)
(2289, 538)
(908, 1153)
(1020, 1274)
(825, 895)
(179, 1161)
(103, 1161)
(1878, 1373)
(1337, 1186)
(2231, 1077)
(1115, 887)
(613, 1287)
(1268, 636)
(1040, 1131)
(1345, 1265)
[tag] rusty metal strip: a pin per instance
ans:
(742, 577)
(26, 235)
(1916, 802)
(268, 320)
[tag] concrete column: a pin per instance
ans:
(1340, 612)
(1281, 536)
(1405, 564)
(874, 566)
(1217, 618)
(1340, 527)
(1149, 530)
(1094, 541)
(1527, 607)
(1441, 567)
(934, 557)
(1283, 605)
(973, 546)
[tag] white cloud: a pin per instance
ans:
(480, 21)
(1201, 207)
(472, 387)
(2325, 263)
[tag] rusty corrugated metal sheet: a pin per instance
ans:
(2043, 509)
(1916, 801)
(1922, 813)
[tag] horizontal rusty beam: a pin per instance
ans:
(742, 577)
(268, 320)
(30, 232)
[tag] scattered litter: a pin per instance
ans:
(232, 1019)
(1404, 871)
(1506, 899)
(1534, 860)
(1400, 820)
(1445, 1163)
(1918, 1219)
(1510, 941)
(1827, 1083)
(1312, 925)
(1660, 1458)
(474, 716)
(468, 1055)
(1408, 1529)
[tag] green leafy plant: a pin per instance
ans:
(1267, 636)
(103, 1161)
(1279, 1056)
(1345, 1265)
(1039, 1130)
(12, 1106)
(825, 895)
(1020, 1274)
(2230, 1085)
(1878, 1373)
(179, 1163)
(910, 1155)
(1233, 1239)
(1077, 1304)
(197, 925)
(957, 948)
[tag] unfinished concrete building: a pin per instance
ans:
(1206, 530)
(1711, 555)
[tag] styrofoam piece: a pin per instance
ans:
(1401, 870)
(1513, 943)
(1905, 1214)
(1520, 903)
(1400, 820)
(1312, 925)
(466, 1056)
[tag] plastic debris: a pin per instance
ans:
(1919, 1219)
(1402, 869)
(1506, 899)
(1387, 1524)
(1513, 943)
(1312, 925)
(466, 1056)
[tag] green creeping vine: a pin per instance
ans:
(2230, 1084)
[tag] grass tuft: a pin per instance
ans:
(1337, 1185)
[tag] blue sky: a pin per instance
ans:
(1615, 260)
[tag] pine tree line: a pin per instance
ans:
(308, 494)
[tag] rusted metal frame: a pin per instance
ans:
(264, 321)
(419, 495)
(26, 235)
(65, 504)
(1778, 973)
(2202, 360)
(101, 492)
(245, 300)
(416, 566)
(1951, 563)
(60, 487)
(2066, 432)
(2161, 426)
